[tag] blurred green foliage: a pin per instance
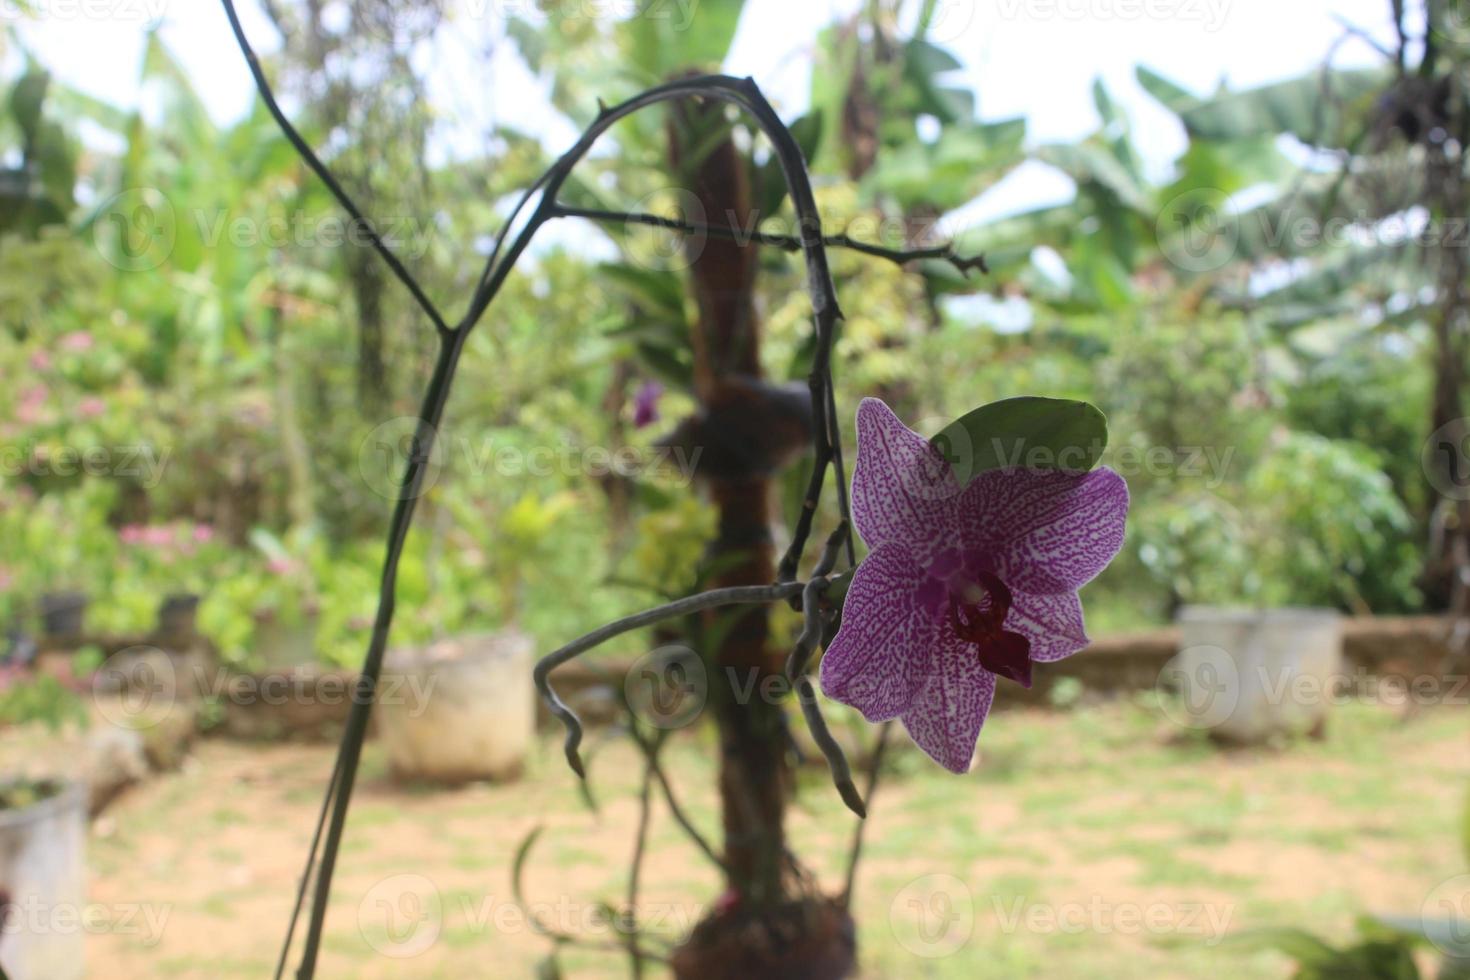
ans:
(175, 294)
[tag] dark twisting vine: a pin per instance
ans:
(809, 595)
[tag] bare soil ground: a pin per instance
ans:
(1096, 842)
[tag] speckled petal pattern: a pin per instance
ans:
(1053, 624)
(880, 655)
(1046, 530)
(903, 491)
(950, 708)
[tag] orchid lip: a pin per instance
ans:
(977, 613)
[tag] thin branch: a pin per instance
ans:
(316, 840)
(875, 767)
(836, 760)
(675, 810)
(735, 595)
(811, 632)
(635, 867)
(303, 148)
(814, 621)
(542, 928)
(1353, 30)
(944, 253)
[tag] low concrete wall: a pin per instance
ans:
(1397, 646)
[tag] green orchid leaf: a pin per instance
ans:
(1040, 433)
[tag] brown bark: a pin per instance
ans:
(754, 773)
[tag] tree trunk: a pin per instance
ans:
(766, 925)
(753, 768)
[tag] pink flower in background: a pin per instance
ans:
(281, 566)
(32, 404)
(962, 584)
(40, 361)
(6, 579)
(645, 404)
(91, 407)
(203, 533)
(157, 536)
(77, 341)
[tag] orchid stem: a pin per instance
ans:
(743, 93)
(945, 252)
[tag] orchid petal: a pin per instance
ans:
(1053, 623)
(949, 710)
(881, 652)
(903, 492)
(1046, 531)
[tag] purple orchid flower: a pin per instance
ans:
(645, 404)
(961, 584)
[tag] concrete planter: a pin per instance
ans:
(43, 876)
(462, 709)
(1246, 675)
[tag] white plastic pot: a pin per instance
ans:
(43, 874)
(1246, 675)
(459, 710)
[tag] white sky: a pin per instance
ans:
(1035, 58)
